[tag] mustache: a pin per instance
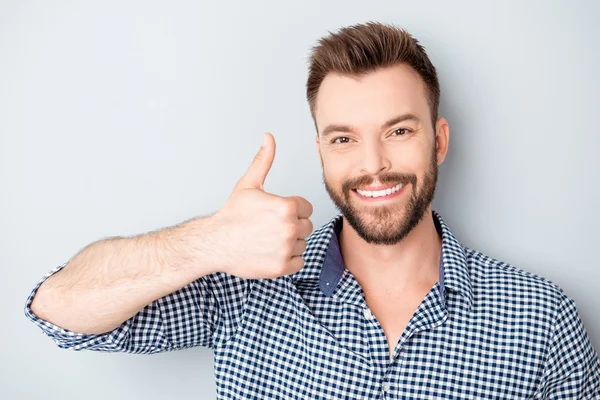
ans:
(391, 179)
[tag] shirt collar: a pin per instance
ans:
(323, 261)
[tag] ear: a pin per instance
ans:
(442, 139)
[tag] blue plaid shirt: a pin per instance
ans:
(485, 330)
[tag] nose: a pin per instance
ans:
(373, 158)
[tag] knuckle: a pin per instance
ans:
(303, 246)
(290, 231)
(310, 208)
(282, 268)
(285, 208)
(310, 227)
(286, 251)
(300, 263)
(292, 206)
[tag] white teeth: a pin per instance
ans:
(380, 193)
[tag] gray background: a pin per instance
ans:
(120, 117)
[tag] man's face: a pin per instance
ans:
(358, 150)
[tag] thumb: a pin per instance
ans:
(261, 164)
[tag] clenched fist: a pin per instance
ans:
(263, 234)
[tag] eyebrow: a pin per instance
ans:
(348, 128)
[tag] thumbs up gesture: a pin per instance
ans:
(264, 234)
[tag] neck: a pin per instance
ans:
(413, 261)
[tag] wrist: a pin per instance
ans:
(196, 245)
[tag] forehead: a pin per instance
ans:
(371, 98)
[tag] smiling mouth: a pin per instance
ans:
(379, 193)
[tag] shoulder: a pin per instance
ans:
(493, 277)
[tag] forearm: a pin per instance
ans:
(111, 280)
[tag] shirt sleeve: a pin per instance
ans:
(198, 314)
(572, 368)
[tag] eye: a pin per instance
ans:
(340, 137)
(402, 129)
(406, 130)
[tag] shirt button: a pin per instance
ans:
(386, 386)
(368, 314)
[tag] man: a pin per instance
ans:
(381, 302)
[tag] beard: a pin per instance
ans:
(387, 224)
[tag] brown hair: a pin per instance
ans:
(359, 49)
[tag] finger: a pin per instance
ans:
(261, 164)
(295, 264)
(305, 209)
(305, 228)
(299, 247)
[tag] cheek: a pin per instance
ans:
(336, 178)
(335, 165)
(410, 158)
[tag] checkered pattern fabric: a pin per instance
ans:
(486, 330)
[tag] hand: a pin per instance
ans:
(262, 235)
